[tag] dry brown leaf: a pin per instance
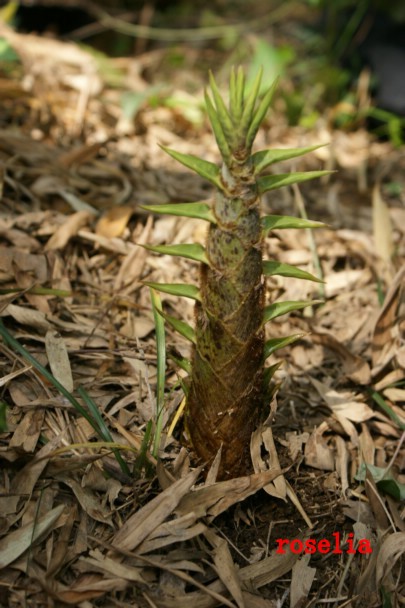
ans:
(317, 453)
(27, 316)
(89, 502)
(367, 445)
(175, 531)
(376, 502)
(343, 404)
(382, 335)
(225, 567)
(390, 552)
(33, 266)
(68, 230)
(79, 155)
(342, 462)
(59, 359)
(28, 431)
(257, 601)
(102, 563)
(382, 226)
(140, 525)
(16, 543)
(355, 368)
(210, 501)
(262, 439)
(24, 481)
(301, 580)
(114, 221)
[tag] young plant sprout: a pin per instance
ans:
(228, 392)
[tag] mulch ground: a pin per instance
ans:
(75, 528)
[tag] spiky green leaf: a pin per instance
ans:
(269, 373)
(236, 89)
(281, 308)
(222, 113)
(259, 114)
(272, 268)
(218, 131)
(199, 210)
(272, 182)
(176, 289)
(204, 168)
(274, 344)
(250, 105)
(281, 222)
(265, 158)
(182, 327)
(181, 362)
(192, 251)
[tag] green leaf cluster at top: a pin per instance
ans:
(235, 127)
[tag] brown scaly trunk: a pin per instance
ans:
(226, 394)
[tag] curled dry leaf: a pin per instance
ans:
(114, 221)
(262, 439)
(59, 359)
(301, 581)
(355, 368)
(391, 550)
(382, 226)
(17, 542)
(343, 404)
(317, 452)
(68, 230)
(383, 330)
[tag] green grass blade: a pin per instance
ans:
(161, 369)
(204, 168)
(380, 401)
(274, 344)
(176, 289)
(281, 308)
(199, 210)
(272, 182)
(265, 158)
(101, 430)
(191, 251)
(272, 268)
(281, 222)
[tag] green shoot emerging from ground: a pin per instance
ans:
(228, 392)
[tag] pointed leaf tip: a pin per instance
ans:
(204, 168)
(272, 182)
(280, 222)
(176, 289)
(274, 344)
(191, 251)
(182, 327)
(281, 308)
(273, 268)
(200, 210)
